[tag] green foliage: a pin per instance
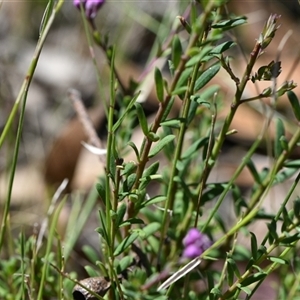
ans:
(149, 202)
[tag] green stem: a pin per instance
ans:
(21, 98)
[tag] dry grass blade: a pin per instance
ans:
(183, 271)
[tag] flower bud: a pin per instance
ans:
(269, 30)
(90, 7)
(195, 243)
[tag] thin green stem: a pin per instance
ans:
(21, 98)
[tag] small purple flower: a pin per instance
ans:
(90, 7)
(195, 243)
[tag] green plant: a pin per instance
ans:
(142, 233)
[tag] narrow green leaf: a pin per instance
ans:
(200, 57)
(228, 24)
(90, 253)
(142, 118)
(206, 76)
(222, 48)
(152, 169)
(154, 200)
(120, 214)
(294, 103)
(253, 171)
(47, 13)
(234, 267)
(176, 51)
(195, 147)
(279, 133)
(135, 149)
(244, 289)
(150, 229)
(180, 91)
(184, 77)
(213, 190)
(292, 164)
(253, 278)
(159, 84)
(284, 175)
(101, 191)
(278, 260)
(124, 263)
(297, 207)
(131, 221)
(126, 243)
(161, 144)
(128, 108)
(272, 234)
(174, 123)
(253, 245)
(91, 271)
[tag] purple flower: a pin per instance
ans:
(195, 243)
(90, 7)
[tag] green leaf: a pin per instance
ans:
(124, 263)
(184, 77)
(135, 149)
(253, 278)
(222, 48)
(120, 214)
(253, 171)
(297, 207)
(161, 144)
(200, 57)
(159, 84)
(292, 164)
(142, 118)
(128, 108)
(150, 229)
(228, 24)
(90, 253)
(152, 169)
(129, 182)
(91, 272)
(206, 76)
(284, 175)
(154, 200)
(279, 133)
(216, 291)
(278, 260)
(126, 243)
(180, 91)
(253, 245)
(46, 16)
(213, 190)
(244, 289)
(101, 191)
(294, 103)
(272, 234)
(176, 51)
(233, 268)
(131, 221)
(195, 147)
(174, 123)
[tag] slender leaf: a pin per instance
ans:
(206, 76)
(126, 243)
(161, 144)
(159, 84)
(176, 51)
(142, 118)
(294, 103)
(279, 133)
